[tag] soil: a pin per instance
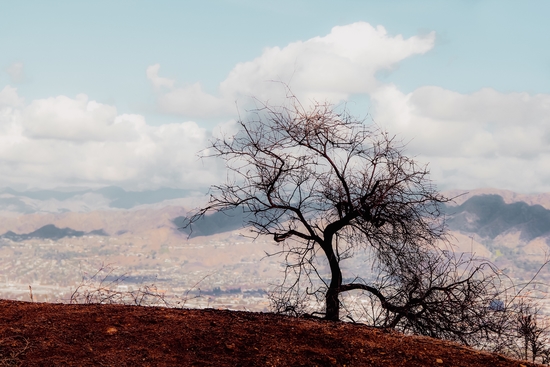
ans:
(46, 334)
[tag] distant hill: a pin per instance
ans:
(513, 235)
(214, 223)
(112, 197)
(460, 196)
(51, 232)
(84, 200)
(129, 199)
(489, 216)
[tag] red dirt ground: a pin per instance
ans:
(45, 334)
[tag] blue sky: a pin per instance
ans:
(125, 92)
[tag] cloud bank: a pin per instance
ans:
(330, 68)
(64, 141)
(482, 139)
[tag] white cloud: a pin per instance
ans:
(157, 81)
(192, 101)
(10, 98)
(64, 118)
(16, 72)
(322, 68)
(473, 140)
(74, 141)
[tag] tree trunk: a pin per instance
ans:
(332, 304)
(332, 311)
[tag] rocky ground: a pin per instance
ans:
(45, 334)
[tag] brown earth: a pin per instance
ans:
(45, 334)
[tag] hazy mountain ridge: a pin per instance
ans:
(136, 221)
(460, 196)
(481, 215)
(214, 223)
(513, 235)
(486, 215)
(85, 200)
(51, 232)
(489, 216)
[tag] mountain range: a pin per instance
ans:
(489, 216)
(510, 229)
(51, 232)
(485, 213)
(85, 200)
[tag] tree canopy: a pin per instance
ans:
(315, 179)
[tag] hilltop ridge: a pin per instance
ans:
(38, 334)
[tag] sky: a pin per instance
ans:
(127, 93)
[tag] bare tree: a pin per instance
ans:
(323, 183)
(326, 187)
(532, 332)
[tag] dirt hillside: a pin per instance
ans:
(43, 334)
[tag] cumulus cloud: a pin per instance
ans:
(193, 101)
(485, 138)
(16, 72)
(472, 140)
(157, 81)
(76, 141)
(322, 68)
(64, 118)
(10, 98)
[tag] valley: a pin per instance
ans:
(219, 265)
